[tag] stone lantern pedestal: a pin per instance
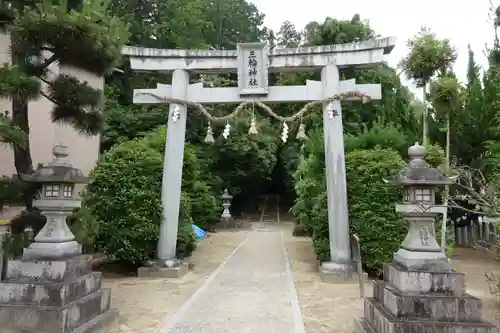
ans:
(420, 292)
(52, 288)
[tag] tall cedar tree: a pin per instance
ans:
(80, 35)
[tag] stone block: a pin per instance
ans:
(78, 316)
(404, 306)
(351, 278)
(163, 272)
(362, 326)
(49, 293)
(407, 281)
(66, 269)
(381, 321)
(51, 251)
(331, 272)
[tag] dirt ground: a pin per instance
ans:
(326, 308)
(474, 263)
(145, 304)
(332, 307)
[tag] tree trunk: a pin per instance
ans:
(446, 187)
(424, 115)
(22, 156)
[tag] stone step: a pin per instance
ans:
(50, 293)
(427, 306)
(49, 270)
(362, 326)
(51, 319)
(384, 322)
(446, 283)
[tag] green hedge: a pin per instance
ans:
(371, 202)
(372, 205)
(123, 200)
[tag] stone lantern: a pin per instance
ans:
(420, 250)
(57, 200)
(226, 203)
(420, 292)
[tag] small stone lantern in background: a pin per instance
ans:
(57, 200)
(420, 250)
(226, 217)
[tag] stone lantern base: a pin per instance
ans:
(54, 296)
(422, 302)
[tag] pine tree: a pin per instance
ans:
(11, 134)
(81, 35)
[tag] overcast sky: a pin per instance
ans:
(462, 22)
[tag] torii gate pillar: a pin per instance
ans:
(253, 84)
(338, 220)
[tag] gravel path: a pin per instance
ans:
(253, 288)
(146, 305)
(252, 292)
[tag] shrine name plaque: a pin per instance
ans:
(253, 67)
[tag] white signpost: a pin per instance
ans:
(253, 62)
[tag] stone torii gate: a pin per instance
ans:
(253, 62)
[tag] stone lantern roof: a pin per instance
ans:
(418, 172)
(59, 170)
(226, 195)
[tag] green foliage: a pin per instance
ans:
(123, 199)
(445, 94)
(83, 113)
(13, 245)
(10, 133)
(19, 238)
(82, 36)
(370, 201)
(204, 206)
(309, 180)
(428, 55)
(435, 155)
(11, 191)
(334, 31)
(243, 162)
(127, 122)
(382, 136)
(87, 38)
(14, 82)
(371, 205)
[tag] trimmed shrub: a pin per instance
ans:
(371, 202)
(205, 206)
(124, 197)
(371, 205)
(123, 200)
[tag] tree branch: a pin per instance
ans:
(49, 98)
(453, 204)
(44, 80)
(48, 62)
